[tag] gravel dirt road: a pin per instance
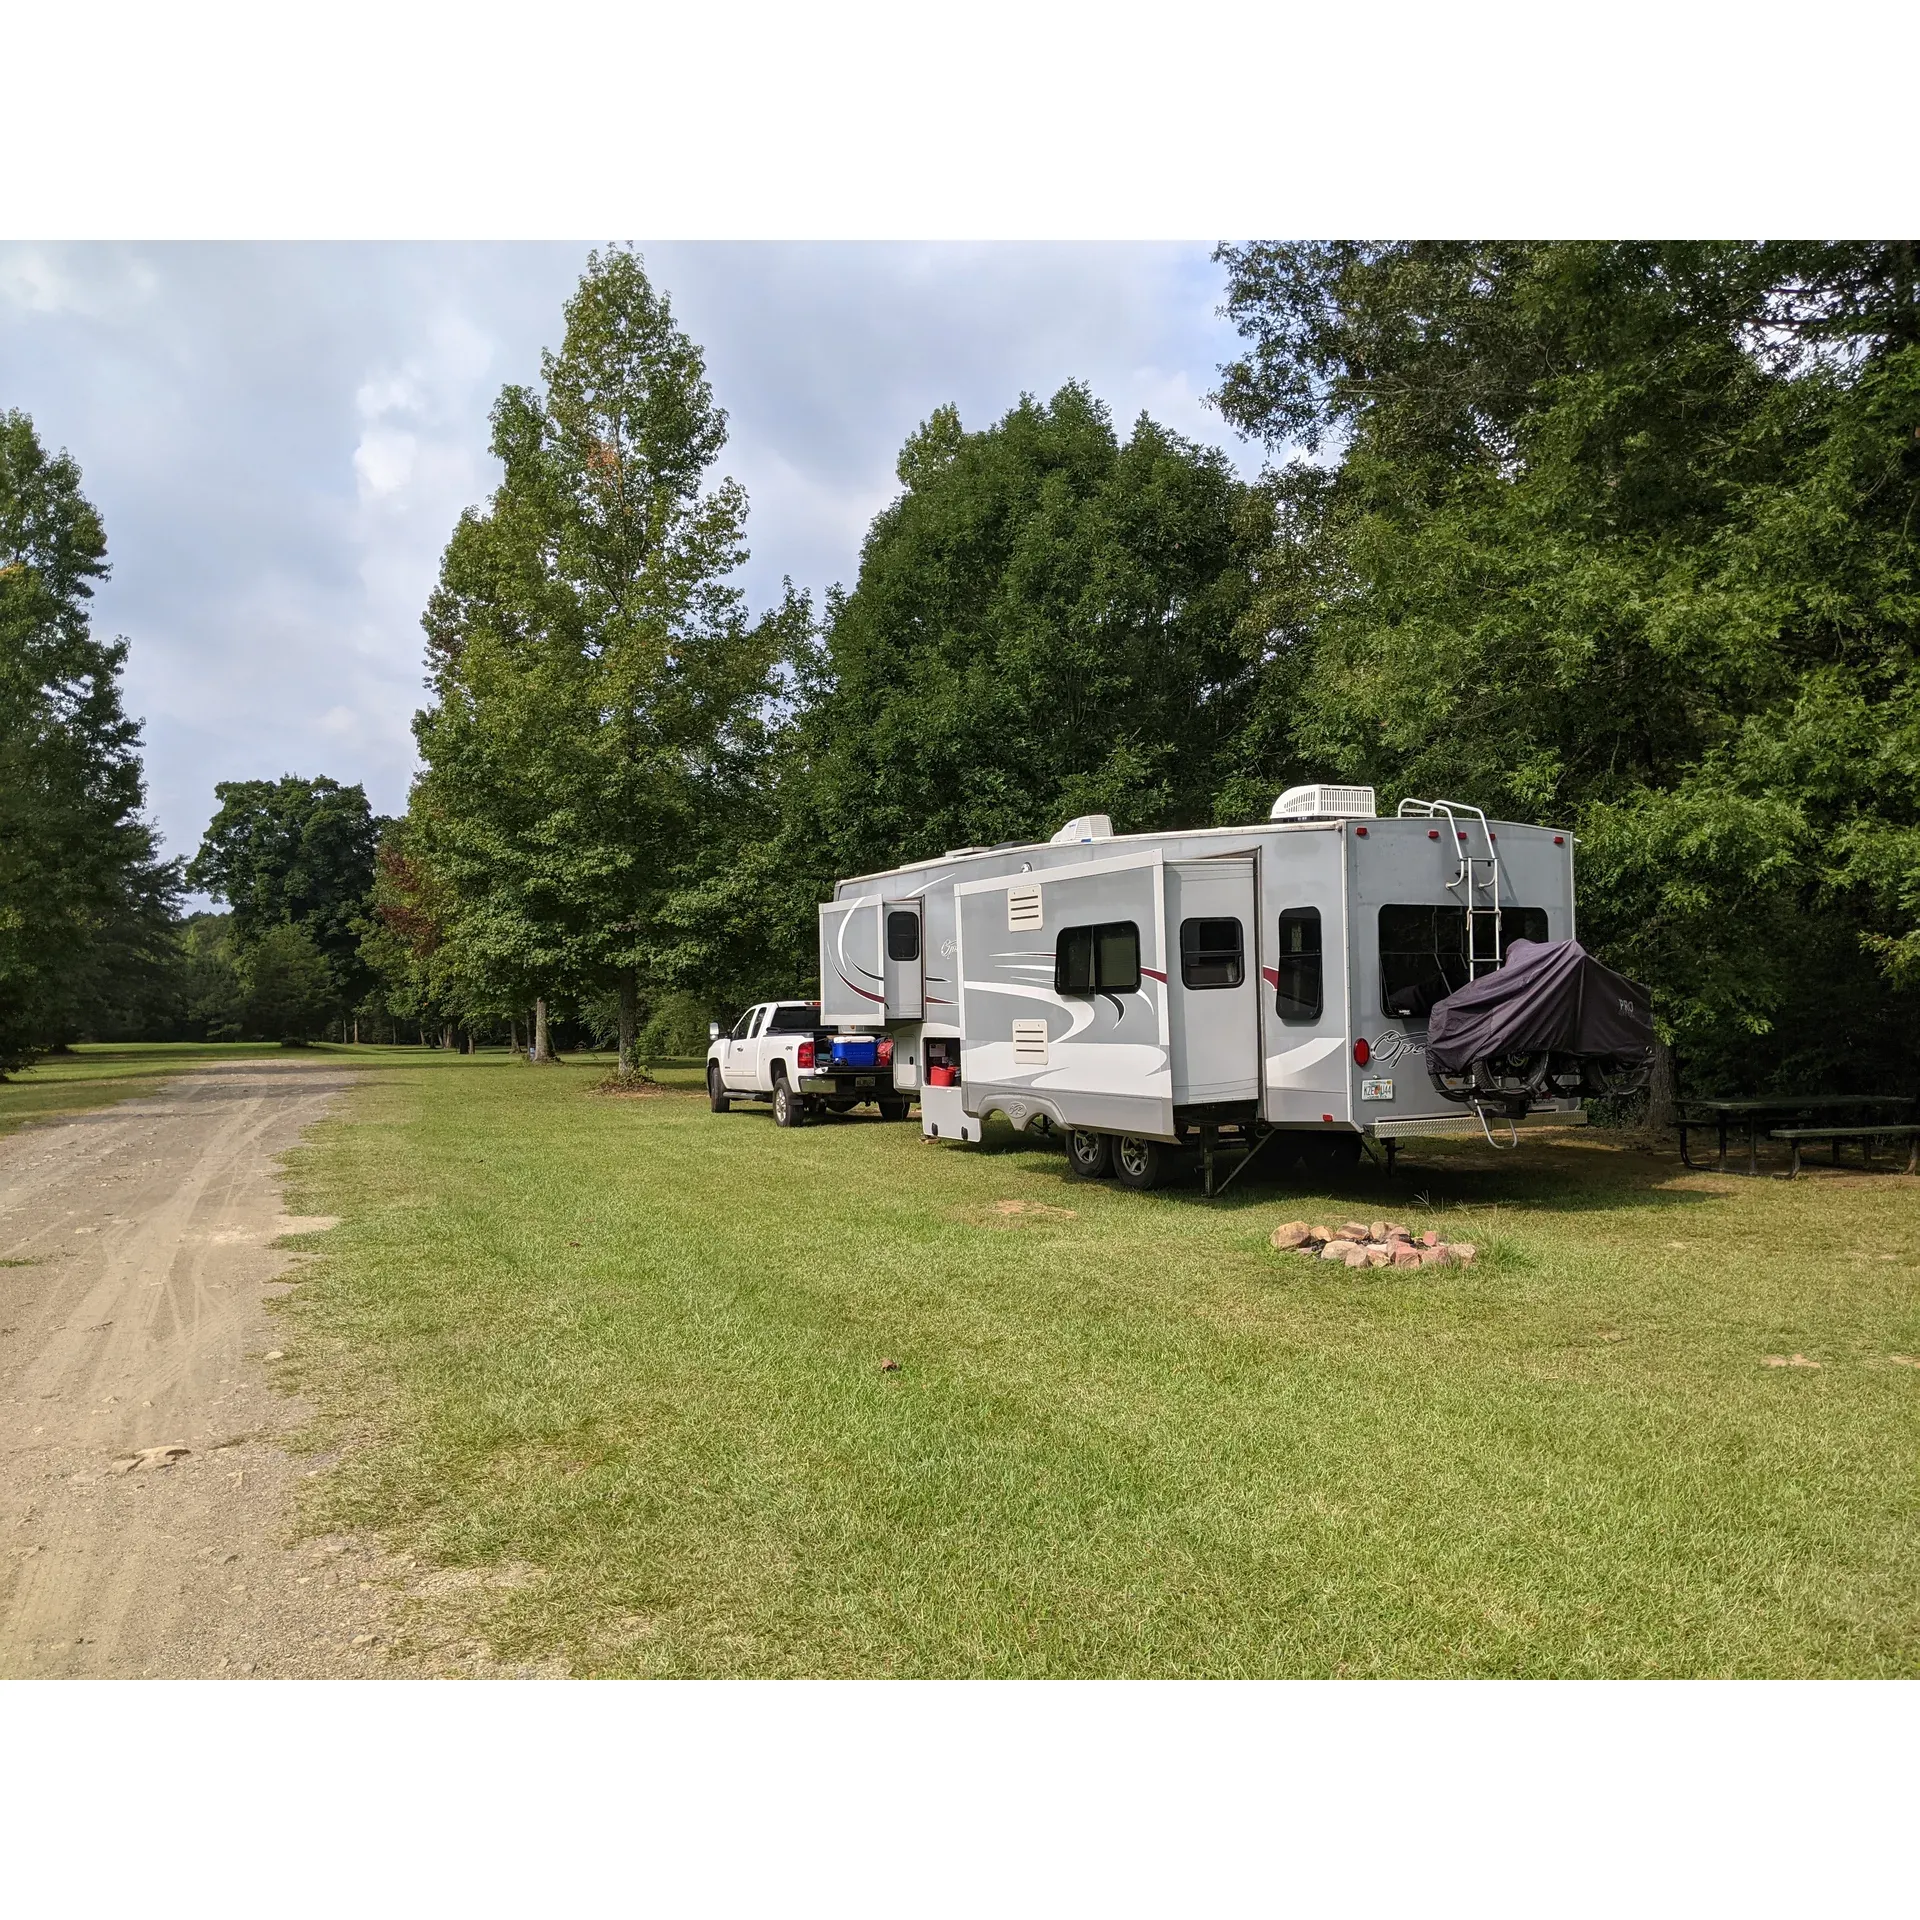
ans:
(136, 1264)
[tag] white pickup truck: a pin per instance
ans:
(779, 1051)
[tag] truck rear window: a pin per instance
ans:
(794, 1020)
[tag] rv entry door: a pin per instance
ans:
(1212, 1000)
(852, 985)
(901, 943)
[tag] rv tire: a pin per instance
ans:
(1332, 1152)
(1139, 1164)
(789, 1110)
(716, 1092)
(1089, 1154)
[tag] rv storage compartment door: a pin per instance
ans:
(852, 986)
(901, 939)
(1063, 996)
(1213, 1009)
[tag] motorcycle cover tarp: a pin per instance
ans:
(1548, 996)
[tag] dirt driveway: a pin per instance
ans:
(135, 1268)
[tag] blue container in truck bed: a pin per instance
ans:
(855, 1050)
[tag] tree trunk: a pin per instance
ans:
(513, 1033)
(542, 1043)
(1660, 1089)
(629, 1020)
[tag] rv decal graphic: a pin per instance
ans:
(1082, 1015)
(1395, 1046)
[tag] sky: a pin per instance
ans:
(280, 438)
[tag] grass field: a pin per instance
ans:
(99, 1076)
(636, 1348)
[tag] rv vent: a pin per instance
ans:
(1324, 803)
(1023, 909)
(1029, 1043)
(1089, 826)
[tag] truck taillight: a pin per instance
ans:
(883, 1054)
(804, 1057)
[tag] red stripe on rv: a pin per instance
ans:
(1271, 975)
(1154, 974)
(878, 999)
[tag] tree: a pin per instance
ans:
(292, 990)
(294, 852)
(1045, 624)
(84, 898)
(599, 693)
(1620, 535)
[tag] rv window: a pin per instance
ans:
(1097, 959)
(903, 936)
(1423, 952)
(1211, 953)
(1297, 992)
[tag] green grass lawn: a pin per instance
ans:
(637, 1347)
(64, 1084)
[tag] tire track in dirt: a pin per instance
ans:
(133, 1314)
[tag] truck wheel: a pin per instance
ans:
(789, 1110)
(1089, 1155)
(1139, 1164)
(893, 1109)
(716, 1091)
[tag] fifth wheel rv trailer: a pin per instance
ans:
(1138, 991)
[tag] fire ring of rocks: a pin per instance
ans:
(1380, 1243)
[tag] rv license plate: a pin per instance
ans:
(1376, 1089)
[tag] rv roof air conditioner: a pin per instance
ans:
(1324, 803)
(1089, 826)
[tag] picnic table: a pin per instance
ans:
(1780, 1110)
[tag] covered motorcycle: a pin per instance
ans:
(1549, 1023)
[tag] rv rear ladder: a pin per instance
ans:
(1478, 874)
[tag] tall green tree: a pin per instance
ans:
(600, 695)
(1046, 623)
(84, 899)
(294, 852)
(1623, 536)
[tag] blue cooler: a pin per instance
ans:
(859, 1050)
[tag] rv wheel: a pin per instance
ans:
(716, 1093)
(788, 1108)
(1139, 1164)
(1089, 1155)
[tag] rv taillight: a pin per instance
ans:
(1362, 1053)
(883, 1054)
(804, 1058)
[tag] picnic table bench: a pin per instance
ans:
(1866, 1134)
(1783, 1111)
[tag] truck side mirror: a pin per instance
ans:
(713, 1029)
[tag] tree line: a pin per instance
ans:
(1611, 536)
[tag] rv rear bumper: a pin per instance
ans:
(1467, 1122)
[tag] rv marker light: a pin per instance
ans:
(1559, 839)
(1362, 1053)
(1433, 833)
(1361, 831)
